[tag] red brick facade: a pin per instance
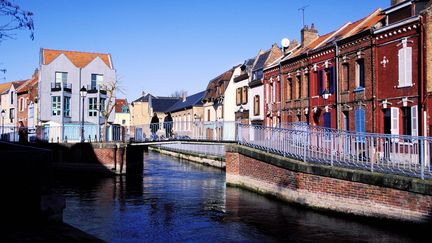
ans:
(326, 192)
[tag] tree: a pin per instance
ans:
(16, 19)
(179, 93)
(111, 87)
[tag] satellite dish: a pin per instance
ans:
(285, 42)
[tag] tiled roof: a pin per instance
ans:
(193, 100)
(79, 59)
(119, 103)
(220, 81)
(4, 87)
(29, 83)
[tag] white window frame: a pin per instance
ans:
(56, 105)
(414, 120)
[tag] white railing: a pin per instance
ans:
(405, 155)
(206, 149)
(68, 133)
(215, 131)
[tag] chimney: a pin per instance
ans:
(183, 97)
(394, 2)
(143, 93)
(308, 35)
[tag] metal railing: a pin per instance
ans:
(68, 133)
(215, 131)
(206, 149)
(405, 155)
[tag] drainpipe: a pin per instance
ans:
(422, 105)
(280, 93)
(374, 83)
(337, 84)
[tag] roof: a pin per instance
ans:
(220, 81)
(159, 103)
(78, 58)
(119, 103)
(191, 101)
(4, 87)
(261, 60)
(345, 31)
(29, 83)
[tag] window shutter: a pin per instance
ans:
(360, 120)
(401, 66)
(394, 120)
(414, 121)
(320, 81)
(408, 66)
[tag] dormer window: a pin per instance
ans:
(257, 74)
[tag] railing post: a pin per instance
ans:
(305, 148)
(422, 160)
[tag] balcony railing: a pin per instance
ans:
(95, 88)
(61, 86)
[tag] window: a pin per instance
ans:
(329, 84)
(257, 74)
(299, 87)
(60, 78)
(21, 104)
(306, 86)
(238, 96)
(66, 106)
(360, 120)
(102, 104)
(394, 122)
(414, 121)
(360, 124)
(320, 82)
(188, 122)
(11, 97)
(208, 115)
(96, 79)
(360, 79)
(406, 121)
(345, 77)
(92, 106)
(56, 105)
(125, 109)
(290, 89)
(12, 114)
(345, 115)
(273, 92)
(245, 95)
(327, 119)
(405, 64)
(256, 105)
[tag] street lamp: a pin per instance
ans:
(3, 112)
(83, 94)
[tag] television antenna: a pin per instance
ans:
(303, 13)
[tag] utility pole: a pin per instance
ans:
(303, 13)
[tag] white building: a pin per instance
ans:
(61, 76)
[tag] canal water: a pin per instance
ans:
(182, 201)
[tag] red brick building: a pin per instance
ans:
(27, 97)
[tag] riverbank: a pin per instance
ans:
(209, 160)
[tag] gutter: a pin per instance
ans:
(337, 84)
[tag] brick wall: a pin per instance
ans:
(306, 185)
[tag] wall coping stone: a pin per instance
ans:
(404, 183)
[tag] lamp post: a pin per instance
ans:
(2, 115)
(83, 94)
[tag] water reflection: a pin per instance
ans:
(181, 201)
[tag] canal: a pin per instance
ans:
(182, 201)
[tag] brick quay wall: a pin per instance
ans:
(347, 191)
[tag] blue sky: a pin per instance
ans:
(167, 45)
